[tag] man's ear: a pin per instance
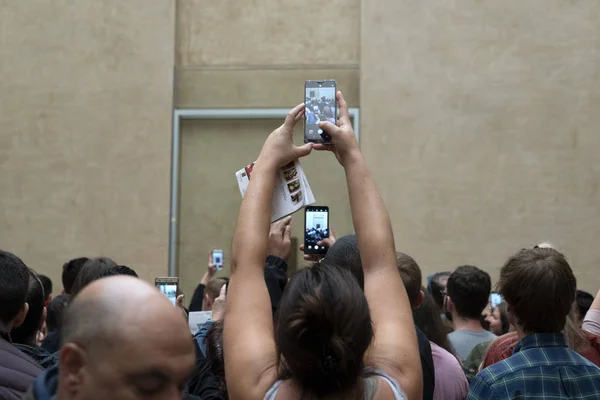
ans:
(420, 299)
(72, 361)
(20, 318)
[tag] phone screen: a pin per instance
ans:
(495, 299)
(320, 105)
(168, 286)
(217, 258)
(316, 228)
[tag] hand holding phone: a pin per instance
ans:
(168, 286)
(320, 106)
(343, 138)
(316, 229)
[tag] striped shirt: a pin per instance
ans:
(541, 367)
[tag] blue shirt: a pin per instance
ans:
(541, 367)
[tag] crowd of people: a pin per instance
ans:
(320, 109)
(356, 324)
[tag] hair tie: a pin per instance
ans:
(330, 365)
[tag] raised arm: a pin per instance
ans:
(249, 345)
(395, 348)
(591, 322)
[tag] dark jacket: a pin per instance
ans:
(17, 370)
(426, 365)
(39, 355)
(52, 342)
(202, 382)
(275, 278)
(45, 386)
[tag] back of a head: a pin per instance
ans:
(436, 285)
(428, 319)
(116, 270)
(411, 277)
(92, 268)
(539, 287)
(14, 285)
(213, 288)
(323, 329)
(469, 288)
(345, 254)
(584, 302)
(36, 298)
(214, 353)
(70, 272)
(99, 310)
(56, 310)
(47, 284)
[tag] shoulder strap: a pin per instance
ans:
(394, 385)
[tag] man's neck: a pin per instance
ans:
(461, 323)
(520, 332)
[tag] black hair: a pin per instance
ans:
(116, 270)
(14, 284)
(323, 329)
(47, 284)
(92, 268)
(56, 310)
(345, 254)
(469, 289)
(70, 272)
(36, 298)
(505, 324)
(435, 287)
(428, 318)
(214, 354)
(584, 301)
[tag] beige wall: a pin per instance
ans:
(85, 116)
(492, 112)
(479, 121)
(226, 59)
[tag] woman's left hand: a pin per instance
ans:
(279, 148)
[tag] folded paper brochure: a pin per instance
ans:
(292, 191)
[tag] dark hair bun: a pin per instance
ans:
(324, 328)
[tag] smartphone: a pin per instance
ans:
(168, 286)
(217, 259)
(320, 105)
(316, 228)
(495, 299)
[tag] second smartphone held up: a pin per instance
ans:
(217, 259)
(168, 286)
(320, 105)
(316, 228)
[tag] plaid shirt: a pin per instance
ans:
(541, 367)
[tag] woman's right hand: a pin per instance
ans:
(343, 140)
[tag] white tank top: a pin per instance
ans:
(370, 386)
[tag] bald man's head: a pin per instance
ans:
(123, 339)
